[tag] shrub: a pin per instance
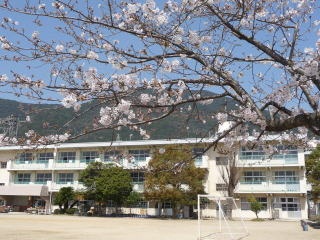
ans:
(71, 211)
(57, 211)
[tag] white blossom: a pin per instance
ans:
(107, 46)
(59, 48)
(5, 46)
(3, 78)
(35, 35)
(124, 106)
(145, 98)
(106, 118)
(57, 5)
(30, 133)
(92, 55)
(69, 100)
(222, 117)
(41, 6)
(133, 8)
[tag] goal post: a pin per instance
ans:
(215, 219)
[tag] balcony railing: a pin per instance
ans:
(252, 158)
(268, 187)
(78, 164)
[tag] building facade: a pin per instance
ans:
(30, 176)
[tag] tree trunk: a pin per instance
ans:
(174, 211)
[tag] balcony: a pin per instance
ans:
(29, 165)
(260, 159)
(56, 186)
(268, 187)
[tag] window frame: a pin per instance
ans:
(139, 155)
(23, 178)
(139, 179)
(257, 177)
(3, 164)
(287, 177)
(198, 154)
(112, 156)
(68, 178)
(44, 179)
(245, 204)
(44, 157)
(69, 157)
(221, 187)
(222, 161)
(25, 157)
(88, 156)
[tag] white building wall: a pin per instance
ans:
(209, 161)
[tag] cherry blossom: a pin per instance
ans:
(142, 61)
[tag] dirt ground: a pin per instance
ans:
(52, 227)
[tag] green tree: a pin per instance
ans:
(313, 173)
(88, 177)
(106, 182)
(133, 199)
(173, 177)
(63, 198)
(255, 205)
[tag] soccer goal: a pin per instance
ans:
(216, 221)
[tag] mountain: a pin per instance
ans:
(50, 119)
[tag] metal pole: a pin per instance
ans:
(219, 206)
(199, 230)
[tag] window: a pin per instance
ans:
(287, 153)
(285, 177)
(3, 164)
(89, 156)
(256, 154)
(287, 204)
(44, 157)
(23, 178)
(42, 178)
(112, 156)
(139, 155)
(65, 157)
(221, 187)
(198, 154)
(221, 161)
(253, 177)
(64, 178)
(140, 204)
(137, 177)
(25, 158)
(245, 204)
(167, 205)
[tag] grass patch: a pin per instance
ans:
(257, 220)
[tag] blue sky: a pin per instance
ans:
(46, 30)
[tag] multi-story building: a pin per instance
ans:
(30, 176)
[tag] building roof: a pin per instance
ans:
(111, 144)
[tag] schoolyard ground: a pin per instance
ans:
(55, 227)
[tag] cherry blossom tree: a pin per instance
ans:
(140, 61)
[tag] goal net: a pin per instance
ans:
(216, 221)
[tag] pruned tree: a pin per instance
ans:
(65, 198)
(140, 61)
(173, 177)
(105, 182)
